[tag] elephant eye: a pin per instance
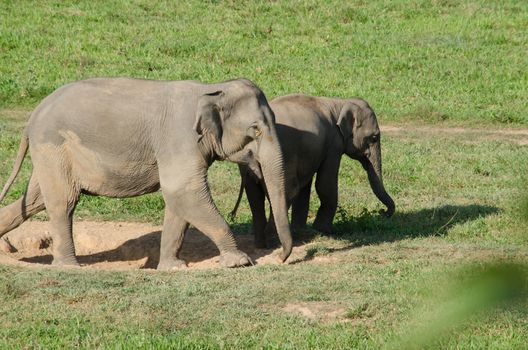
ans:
(374, 138)
(254, 130)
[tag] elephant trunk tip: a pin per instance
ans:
(391, 208)
(286, 251)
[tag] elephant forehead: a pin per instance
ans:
(371, 130)
(245, 103)
(369, 124)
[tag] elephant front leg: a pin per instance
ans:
(196, 207)
(256, 198)
(326, 188)
(174, 228)
(300, 207)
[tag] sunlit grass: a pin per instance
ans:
(440, 61)
(432, 276)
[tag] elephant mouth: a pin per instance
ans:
(247, 158)
(256, 172)
(357, 156)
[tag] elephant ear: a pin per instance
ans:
(348, 118)
(208, 119)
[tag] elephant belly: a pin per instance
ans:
(117, 182)
(111, 173)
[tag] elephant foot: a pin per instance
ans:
(172, 265)
(234, 259)
(322, 227)
(66, 261)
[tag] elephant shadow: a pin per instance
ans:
(196, 249)
(369, 228)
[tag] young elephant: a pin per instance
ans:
(126, 137)
(314, 132)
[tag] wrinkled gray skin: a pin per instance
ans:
(314, 132)
(126, 137)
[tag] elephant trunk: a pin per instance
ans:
(372, 164)
(271, 162)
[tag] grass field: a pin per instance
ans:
(448, 271)
(441, 60)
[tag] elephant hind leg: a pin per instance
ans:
(16, 213)
(60, 194)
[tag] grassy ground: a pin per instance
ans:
(432, 60)
(368, 286)
(376, 283)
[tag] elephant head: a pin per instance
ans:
(359, 128)
(236, 123)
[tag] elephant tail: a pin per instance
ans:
(22, 150)
(233, 213)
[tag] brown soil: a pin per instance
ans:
(123, 245)
(322, 311)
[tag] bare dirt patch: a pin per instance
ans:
(518, 136)
(123, 245)
(317, 311)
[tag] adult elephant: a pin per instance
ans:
(122, 137)
(314, 132)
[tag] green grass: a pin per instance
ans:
(456, 205)
(244, 308)
(455, 61)
(393, 281)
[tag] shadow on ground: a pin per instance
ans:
(370, 228)
(367, 229)
(197, 248)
